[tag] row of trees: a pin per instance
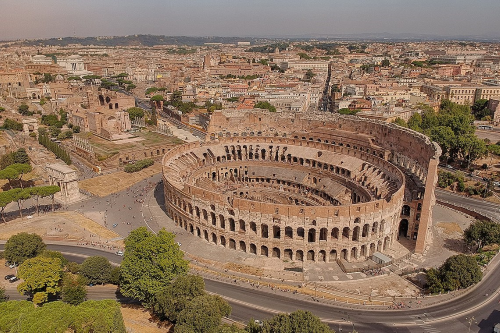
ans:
(45, 141)
(452, 128)
(265, 105)
(19, 195)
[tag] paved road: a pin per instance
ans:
(483, 303)
(492, 210)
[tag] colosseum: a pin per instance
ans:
(305, 187)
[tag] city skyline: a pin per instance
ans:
(57, 18)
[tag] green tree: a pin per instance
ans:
(6, 198)
(460, 271)
(150, 264)
(21, 170)
(170, 301)
(42, 192)
(23, 246)
(482, 233)
(3, 296)
(115, 275)
(96, 269)
(135, 112)
(348, 111)
(9, 174)
(415, 122)
(20, 195)
(12, 125)
(41, 278)
(21, 157)
(296, 322)
(203, 314)
(265, 105)
(400, 122)
(385, 63)
(72, 291)
(55, 254)
(24, 110)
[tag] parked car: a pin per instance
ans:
(119, 253)
(13, 279)
(8, 277)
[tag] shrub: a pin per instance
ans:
(139, 165)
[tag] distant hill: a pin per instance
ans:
(135, 40)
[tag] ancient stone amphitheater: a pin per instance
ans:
(315, 187)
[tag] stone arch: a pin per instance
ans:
(264, 231)
(243, 246)
(345, 233)
(276, 253)
(311, 235)
(276, 232)
(253, 227)
(214, 238)
(299, 255)
(288, 233)
(232, 226)
(335, 233)
(222, 221)
(354, 253)
(372, 248)
(223, 241)
(253, 249)
(205, 234)
(310, 255)
(344, 254)
(288, 254)
(322, 256)
(333, 255)
(374, 228)
(264, 251)
(232, 244)
(403, 228)
(406, 210)
(363, 251)
(214, 220)
(366, 230)
(355, 233)
(191, 228)
(323, 234)
(198, 232)
(387, 243)
(242, 226)
(300, 233)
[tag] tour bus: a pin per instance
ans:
(485, 127)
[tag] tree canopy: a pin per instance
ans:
(265, 105)
(202, 314)
(481, 233)
(96, 269)
(295, 322)
(41, 278)
(135, 112)
(150, 263)
(170, 301)
(457, 272)
(23, 246)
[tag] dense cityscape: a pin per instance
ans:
(154, 184)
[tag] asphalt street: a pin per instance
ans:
(489, 208)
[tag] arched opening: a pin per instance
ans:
(311, 235)
(232, 226)
(355, 234)
(253, 227)
(323, 234)
(253, 249)
(214, 220)
(363, 250)
(335, 233)
(403, 228)
(242, 226)
(354, 253)
(387, 241)
(264, 231)
(345, 233)
(310, 255)
(333, 255)
(276, 252)
(343, 254)
(223, 241)
(264, 251)
(276, 232)
(405, 211)
(198, 232)
(288, 233)
(288, 254)
(372, 248)
(191, 228)
(205, 234)
(299, 255)
(232, 244)
(300, 233)
(243, 246)
(322, 256)
(366, 229)
(214, 238)
(222, 222)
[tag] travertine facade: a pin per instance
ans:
(316, 187)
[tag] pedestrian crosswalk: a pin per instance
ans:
(422, 322)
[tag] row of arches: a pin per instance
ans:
(323, 255)
(312, 234)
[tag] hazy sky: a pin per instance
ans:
(62, 18)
